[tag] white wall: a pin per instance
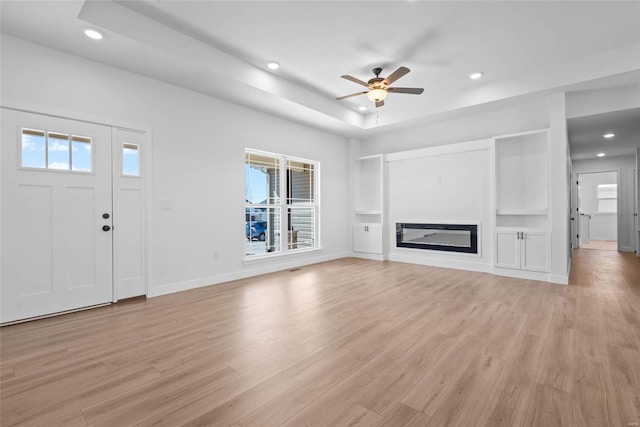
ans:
(625, 166)
(432, 187)
(198, 155)
(470, 124)
(518, 115)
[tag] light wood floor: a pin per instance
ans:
(348, 342)
(601, 245)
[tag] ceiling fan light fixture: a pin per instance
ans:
(377, 95)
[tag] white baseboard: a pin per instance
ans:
(440, 262)
(532, 275)
(270, 266)
(374, 257)
(558, 279)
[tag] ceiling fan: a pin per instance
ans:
(379, 87)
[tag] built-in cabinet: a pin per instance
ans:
(523, 250)
(367, 238)
(368, 205)
(522, 226)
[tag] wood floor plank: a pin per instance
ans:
(431, 391)
(464, 404)
(558, 359)
(549, 407)
(516, 383)
(402, 415)
(344, 342)
(328, 409)
(243, 404)
(356, 415)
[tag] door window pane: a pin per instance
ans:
(130, 159)
(81, 154)
(58, 151)
(33, 149)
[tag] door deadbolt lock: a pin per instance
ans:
(106, 228)
(105, 215)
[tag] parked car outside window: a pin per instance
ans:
(256, 230)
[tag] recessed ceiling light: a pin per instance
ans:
(362, 108)
(601, 154)
(93, 34)
(273, 65)
(609, 135)
(476, 75)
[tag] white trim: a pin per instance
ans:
(439, 150)
(530, 132)
(268, 267)
(440, 262)
(373, 257)
(559, 280)
(270, 255)
(12, 104)
(523, 274)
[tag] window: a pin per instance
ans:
(130, 159)
(281, 204)
(54, 150)
(607, 198)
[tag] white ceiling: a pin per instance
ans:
(221, 49)
(586, 134)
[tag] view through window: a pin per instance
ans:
(281, 204)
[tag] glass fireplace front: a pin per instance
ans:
(438, 237)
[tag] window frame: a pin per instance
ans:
(71, 138)
(282, 204)
(601, 195)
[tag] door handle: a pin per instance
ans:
(106, 228)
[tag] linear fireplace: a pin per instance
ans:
(438, 237)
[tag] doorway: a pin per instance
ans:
(62, 200)
(598, 211)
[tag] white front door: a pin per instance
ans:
(56, 215)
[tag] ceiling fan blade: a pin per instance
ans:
(353, 79)
(349, 96)
(396, 75)
(379, 104)
(412, 90)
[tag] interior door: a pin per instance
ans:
(56, 215)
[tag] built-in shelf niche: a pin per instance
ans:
(368, 188)
(522, 180)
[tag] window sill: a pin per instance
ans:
(262, 257)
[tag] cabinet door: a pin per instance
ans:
(360, 238)
(535, 252)
(507, 249)
(375, 239)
